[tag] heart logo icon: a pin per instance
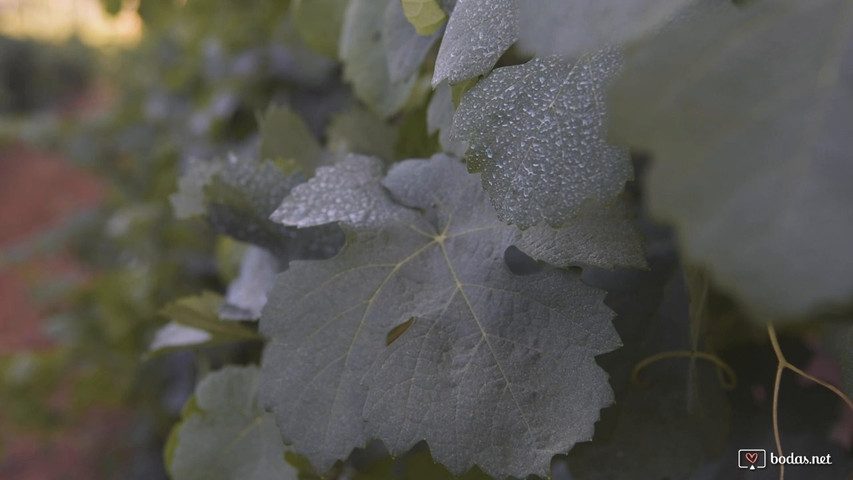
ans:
(751, 457)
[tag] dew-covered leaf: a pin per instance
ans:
(571, 28)
(603, 236)
(241, 198)
(247, 294)
(477, 34)
(363, 53)
(425, 16)
(225, 435)
(537, 133)
(747, 112)
(318, 23)
(284, 135)
(440, 119)
(358, 130)
(496, 370)
(406, 48)
(349, 192)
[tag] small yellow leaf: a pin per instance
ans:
(425, 15)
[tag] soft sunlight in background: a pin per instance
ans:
(58, 20)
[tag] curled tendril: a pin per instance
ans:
(728, 378)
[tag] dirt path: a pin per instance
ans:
(37, 191)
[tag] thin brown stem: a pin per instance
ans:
(783, 364)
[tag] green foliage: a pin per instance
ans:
(456, 282)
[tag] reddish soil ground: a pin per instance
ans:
(38, 190)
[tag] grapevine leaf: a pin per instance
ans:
(406, 47)
(240, 200)
(247, 294)
(285, 136)
(426, 16)
(225, 435)
(318, 23)
(349, 192)
(440, 119)
(364, 56)
(358, 130)
(477, 34)
(571, 28)
(598, 236)
(505, 361)
(751, 146)
(536, 131)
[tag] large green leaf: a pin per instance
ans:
(536, 131)
(574, 27)
(351, 193)
(363, 53)
(224, 435)
(747, 111)
(420, 331)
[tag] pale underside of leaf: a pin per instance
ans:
(747, 112)
(537, 133)
(228, 437)
(175, 335)
(494, 369)
(247, 294)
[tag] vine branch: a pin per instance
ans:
(783, 364)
